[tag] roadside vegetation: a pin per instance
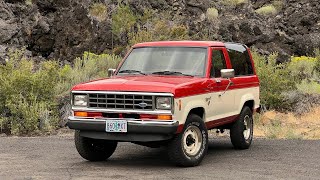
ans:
(274, 124)
(34, 97)
(290, 95)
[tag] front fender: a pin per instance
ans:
(187, 104)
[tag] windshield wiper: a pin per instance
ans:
(171, 73)
(130, 71)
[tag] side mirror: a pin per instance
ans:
(227, 73)
(111, 72)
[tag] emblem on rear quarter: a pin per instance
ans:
(208, 100)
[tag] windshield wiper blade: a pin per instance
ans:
(171, 73)
(130, 71)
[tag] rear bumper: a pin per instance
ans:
(138, 130)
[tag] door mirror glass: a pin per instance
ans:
(227, 73)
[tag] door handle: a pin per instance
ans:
(230, 84)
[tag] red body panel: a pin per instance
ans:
(179, 86)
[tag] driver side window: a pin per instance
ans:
(218, 63)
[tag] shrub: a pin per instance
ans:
(123, 20)
(306, 74)
(300, 102)
(98, 11)
(159, 31)
(309, 87)
(317, 63)
(303, 68)
(90, 66)
(150, 26)
(212, 14)
(33, 97)
(267, 10)
(27, 94)
(274, 80)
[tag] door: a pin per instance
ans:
(222, 103)
(245, 82)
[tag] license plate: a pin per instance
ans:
(116, 126)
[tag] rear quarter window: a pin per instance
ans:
(240, 59)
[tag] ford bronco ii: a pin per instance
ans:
(168, 94)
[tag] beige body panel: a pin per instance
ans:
(216, 107)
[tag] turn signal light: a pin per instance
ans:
(87, 114)
(155, 117)
(81, 114)
(164, 117)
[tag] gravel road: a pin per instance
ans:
(55, 157)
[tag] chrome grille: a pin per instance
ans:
(121, 101)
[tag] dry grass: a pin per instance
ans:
(98, 11)
(212, 14)
(274, 124)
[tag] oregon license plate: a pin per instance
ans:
(116, 126)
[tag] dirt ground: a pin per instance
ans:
(274, 124)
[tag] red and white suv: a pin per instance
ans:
(168, 94)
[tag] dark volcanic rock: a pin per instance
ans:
(63, 29)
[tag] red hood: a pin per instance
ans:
(141, 84)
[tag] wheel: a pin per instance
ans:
(189, 147)
(94, 149)
(241, 132)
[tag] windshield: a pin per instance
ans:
(180, 61)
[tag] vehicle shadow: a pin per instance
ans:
(135, 156)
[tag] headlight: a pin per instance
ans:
(80, 100)
(163, 103)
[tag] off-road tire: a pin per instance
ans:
(94, 149)
(238, 139)
(176, 151)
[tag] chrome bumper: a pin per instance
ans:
(134, 125)
(138, 130)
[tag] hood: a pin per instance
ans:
(167, 84)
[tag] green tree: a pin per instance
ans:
(123, 20)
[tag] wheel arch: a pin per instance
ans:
(196, 106)
(250, 104)
(247, 100)
(200, 111)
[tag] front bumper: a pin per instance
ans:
(138, 130)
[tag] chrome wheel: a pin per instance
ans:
(247, 127)
(192, 140)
